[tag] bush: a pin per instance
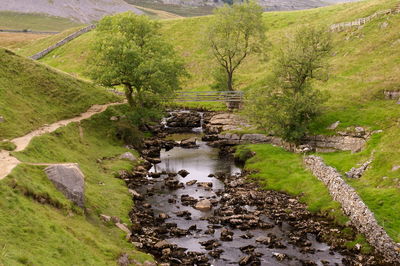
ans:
(288, 103)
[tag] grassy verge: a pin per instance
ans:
(37, 22)
(279, 170)
(32, 95)
(40, 227)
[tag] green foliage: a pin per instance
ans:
(7, 145)
(221, 80)
(32, 95)
(129, 51)
(235, 32)
(288, 102)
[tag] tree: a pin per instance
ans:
(288, 103)
(234, 32)
(128, 50)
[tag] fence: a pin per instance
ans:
(209, 96)
(362, 21)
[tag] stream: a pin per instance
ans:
(243, 226)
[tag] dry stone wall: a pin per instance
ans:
(62, 42)
(353, 206)
(312, 143)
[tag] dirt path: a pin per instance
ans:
(8, 162)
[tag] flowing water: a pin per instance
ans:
(200, 163)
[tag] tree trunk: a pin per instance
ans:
(230, 81)
(128, 95)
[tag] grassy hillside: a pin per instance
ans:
(365, 61)
(33, 47)
(41, 227)
(15, 40)
(184, 11)
(37, 22)
(32, 95)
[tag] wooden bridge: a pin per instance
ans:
(209, 96)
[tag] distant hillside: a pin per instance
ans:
(32, 95)
(84, 11)
(202, 7)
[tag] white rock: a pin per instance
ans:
(203, 205)
(334, 125)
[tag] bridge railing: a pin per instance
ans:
(209, 96)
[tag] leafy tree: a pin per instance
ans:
(234, 32)
(129, 51)
(288, 103)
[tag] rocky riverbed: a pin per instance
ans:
(193, 206)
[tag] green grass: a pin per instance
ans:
(32, 95)
(37, 22)
(36, 46)
(57, 232)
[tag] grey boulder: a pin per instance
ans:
(69, 180)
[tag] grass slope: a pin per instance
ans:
(41, 227)
(31, 48)
(37, 22)
(32, 95)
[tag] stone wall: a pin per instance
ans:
(353, 206)
(312, 143)
(62, 42)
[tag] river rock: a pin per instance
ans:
(183, 173)
(189, 143)
(162, 244)
(203, 205)
(263, 240)
(183, 120)
(279, 256)
(69, 179)
(188, 200)
(192, 182)
(226, 235)
(135, 194)
(206, 185)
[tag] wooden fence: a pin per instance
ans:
(209, 96)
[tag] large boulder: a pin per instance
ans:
(69, 179)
